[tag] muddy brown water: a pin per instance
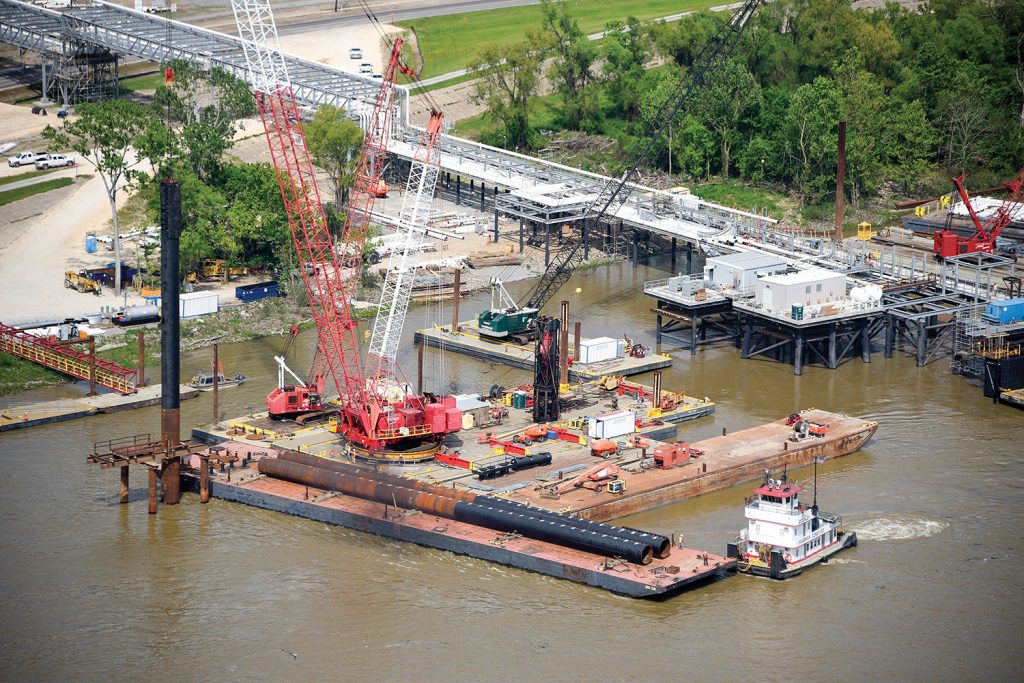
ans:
(90, 590)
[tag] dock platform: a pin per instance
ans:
(683, 568)
(20, 417)
(468, 342)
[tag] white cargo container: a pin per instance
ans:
(198, 303)
(597, 350)
(611, 425)
(804, 288)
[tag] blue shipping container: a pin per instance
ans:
(1005, 312)
(255, 292)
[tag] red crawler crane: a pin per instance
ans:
(983, 241)
(361, 411)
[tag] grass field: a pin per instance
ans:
(449, 42)
(26, 175)
(740, 195)
(38, 188)
(144, 82)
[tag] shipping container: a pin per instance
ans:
(255, 292)
(611, 425)
(198, 303)
(597, 350)
(1006, 312)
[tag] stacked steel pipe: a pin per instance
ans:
(660, 545)
(461, 506)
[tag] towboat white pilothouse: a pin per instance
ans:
(783, 536)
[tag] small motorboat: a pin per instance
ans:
(204, 381)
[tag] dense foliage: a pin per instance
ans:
(926, 94)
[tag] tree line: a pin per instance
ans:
(230, 210)
(926, 93)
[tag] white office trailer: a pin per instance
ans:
(812, 287)
(597, 350)
(741, 270)
(611, 425)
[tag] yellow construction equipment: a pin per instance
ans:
(213, 268)
(80, 282)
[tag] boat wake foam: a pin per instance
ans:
(897, 528)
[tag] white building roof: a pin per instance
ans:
(802, 277)
(748, 260)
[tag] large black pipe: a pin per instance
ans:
(372, 487)
(661, 545)
(170, 370)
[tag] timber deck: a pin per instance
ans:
(35, 414)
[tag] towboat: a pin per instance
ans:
(784, 537)
(204, 381)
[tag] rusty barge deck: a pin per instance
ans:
(683, 568)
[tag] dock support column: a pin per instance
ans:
(458, 190)
(419, 369)
(636, 247)
(152, 490)
(693, 334)
(890, 335)
(576, 344)
(455, 300)
(547, 244)
(123, 490)
(586, 242)
(832, 364)
(520, 234)
(748, 332)
(483, 190)
(922, 341)
(204, 479)
(673, 254)
(657, 329)
(865, 342)
(495, 224)
(798, 353)
(564, 345)
(689, 258)
(216, 383)
(92, 365)
(140, 375)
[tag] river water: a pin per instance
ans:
(96, 591)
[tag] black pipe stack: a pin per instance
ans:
(170, 335)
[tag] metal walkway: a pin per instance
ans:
(127, 32)
(52, 354)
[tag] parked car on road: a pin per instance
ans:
(54, 161)
(22, 158)
(355, 53)
(366, 68)
(377, 77)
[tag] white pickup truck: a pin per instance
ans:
(22, 158)
(54, 161)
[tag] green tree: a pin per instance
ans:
(966, 118)
(505, 78)
(102, 133)
(811, 138)
(727, 100)
(203, 106)
(335, 141)
(627, 48)
(574, 56)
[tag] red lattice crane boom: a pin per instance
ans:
(983, 241)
